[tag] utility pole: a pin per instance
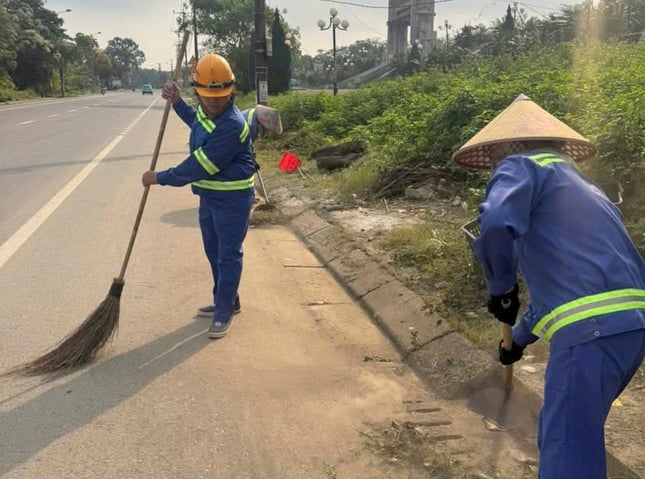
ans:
(195, 32)
(183, 27)
(448, 27)
(261, 73)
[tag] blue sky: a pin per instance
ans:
(150, 23)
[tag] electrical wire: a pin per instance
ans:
(365, 24)
(381, 7)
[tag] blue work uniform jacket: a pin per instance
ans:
(584, 275)
(220, 158)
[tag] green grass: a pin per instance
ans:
(437, 263)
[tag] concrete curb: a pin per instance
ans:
(452, 366)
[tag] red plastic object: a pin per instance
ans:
(289, 162)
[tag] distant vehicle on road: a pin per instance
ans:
(146, 89)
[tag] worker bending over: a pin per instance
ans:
(585, 278)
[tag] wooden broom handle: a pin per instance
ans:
(507, 343)
(155, 156)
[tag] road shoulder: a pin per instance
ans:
(449, 364)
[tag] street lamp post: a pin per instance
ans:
(335, 23)
(94, 75)
(60, 57)
(289, 42)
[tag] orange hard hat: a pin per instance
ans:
(213, 76)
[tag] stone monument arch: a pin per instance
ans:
(409, 21)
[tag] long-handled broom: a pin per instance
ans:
(507, 344)
(99, 328)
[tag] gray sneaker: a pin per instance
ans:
(208, 311)
(219, 329)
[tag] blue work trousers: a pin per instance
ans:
(224, 221)
(581, 384)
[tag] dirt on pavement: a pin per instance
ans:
(366, 226)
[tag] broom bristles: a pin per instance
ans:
(84, 344)
(265, 207)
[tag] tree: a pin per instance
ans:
(34, 36)
(105, 66)
(362, 55)
(8, 35)
(126, 55)
(280, 61)
(413, 64)
(507, 28)
(226, 27)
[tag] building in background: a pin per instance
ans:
(410, 21)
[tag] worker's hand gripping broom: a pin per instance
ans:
(99, 328)
(507, 344)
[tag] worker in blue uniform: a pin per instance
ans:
(251, 118)
(585, 278)
(262, 119)
(221, 170)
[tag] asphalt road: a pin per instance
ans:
(284, 395)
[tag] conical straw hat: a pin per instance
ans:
(523, 120)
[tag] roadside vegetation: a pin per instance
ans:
(411, 126)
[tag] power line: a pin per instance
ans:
(355, 4)
(380, 7)
(365, 24)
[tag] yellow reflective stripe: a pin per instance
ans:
(544, 159)
(245, 133)
(203, 120)
(587, 307)
(206, 123)
(249, 115)
(548, 162)
(594, 312)
(226, 185)
(207, 164)
(541, 156)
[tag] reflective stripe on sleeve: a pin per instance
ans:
(207, 164)
(226, 185)
(203, 120)
(588, 307)
(245, 133)
(544, 159)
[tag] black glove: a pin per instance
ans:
(509, 357)
(505, 306)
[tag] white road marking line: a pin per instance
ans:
(20, 237)
(27, 122)
(54, 115)
(37, 103)
(31, 105)
(72, 111)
